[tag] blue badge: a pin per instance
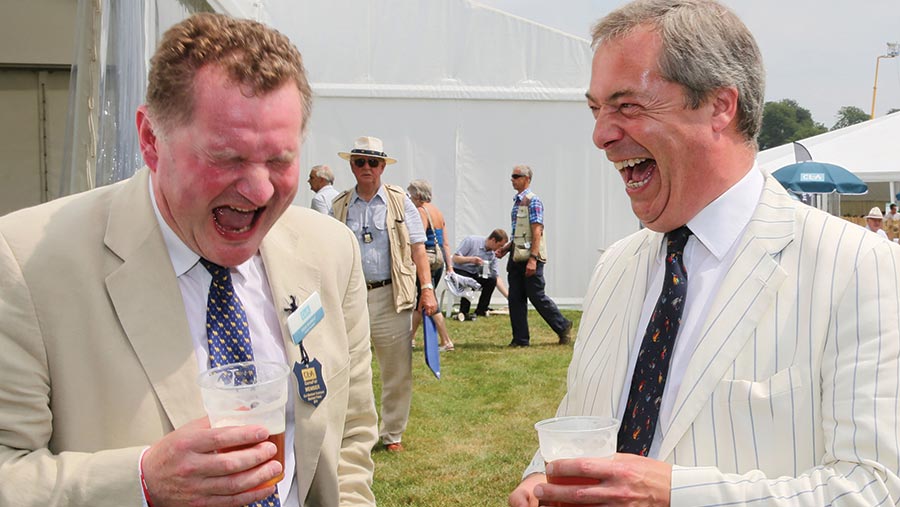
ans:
(305, 317)
(310, 383)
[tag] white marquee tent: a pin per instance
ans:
(870, 150)
(460, 93)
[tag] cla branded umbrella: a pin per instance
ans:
(819, 178)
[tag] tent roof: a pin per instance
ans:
(869, 150)
(454, 49)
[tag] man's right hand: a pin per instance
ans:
(183, 468)
(523, 495)
(500, 252)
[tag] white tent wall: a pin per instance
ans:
(460, 93)
(466, 149)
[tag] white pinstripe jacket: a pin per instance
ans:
(791, 397)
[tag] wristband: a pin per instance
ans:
(533, 256)
(144, 483)
(428, 286)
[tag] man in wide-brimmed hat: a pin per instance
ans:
(874, 221)
(392, 240)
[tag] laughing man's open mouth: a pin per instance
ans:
(637, 171)
(234, 220)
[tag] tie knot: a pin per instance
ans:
(213, 268)
(677, 239)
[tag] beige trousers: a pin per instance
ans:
(390, 336)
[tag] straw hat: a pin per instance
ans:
(875, 213)
(369, 147)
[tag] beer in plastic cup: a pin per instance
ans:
(252, 392)
(576, 437)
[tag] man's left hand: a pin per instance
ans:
(626, 479)
(428, 302)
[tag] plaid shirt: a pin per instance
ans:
(535, 209)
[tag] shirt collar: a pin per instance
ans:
(183, 258)
(719, 225)
(380, 193)
(521, 195)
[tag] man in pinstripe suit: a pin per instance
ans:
(782, 386)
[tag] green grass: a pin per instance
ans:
(471, 434)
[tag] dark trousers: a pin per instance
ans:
(530, 288)
(487, 290)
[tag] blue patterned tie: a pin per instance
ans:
(652, 367)
(228, 334)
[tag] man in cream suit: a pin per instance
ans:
(103, 301)
(782, 385)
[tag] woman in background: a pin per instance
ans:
(435, 244)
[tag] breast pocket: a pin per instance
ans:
(757, 419)
(379, 218)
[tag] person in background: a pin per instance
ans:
(525, 269)
(104, 296)
(892, 213)
(874, 221)
(475, 258)
(436, 247)
(749, 344)
(390, 234)
(321, 181)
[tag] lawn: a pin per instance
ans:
(471, 434)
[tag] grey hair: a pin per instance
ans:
(705, 46)
(420, 189)
(324, 172)
(523, 169)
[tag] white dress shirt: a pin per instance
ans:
(879, 232)
(707, 256)
(321, 202)
(252, 288)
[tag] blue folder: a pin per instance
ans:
(432, 354)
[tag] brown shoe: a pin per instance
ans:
(565, 336)
(395, 447)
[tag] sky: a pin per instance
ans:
(821, 53)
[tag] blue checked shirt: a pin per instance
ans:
(535, 209)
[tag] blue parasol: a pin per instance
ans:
(819, 178)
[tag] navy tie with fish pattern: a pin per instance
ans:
(652, 367)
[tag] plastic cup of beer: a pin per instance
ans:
(252, 392)
(576, 437)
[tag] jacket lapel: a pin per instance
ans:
(290, 273)
(606, 337)
(147, 301)
(747, 292)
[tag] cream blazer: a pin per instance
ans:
(791, 396)
(97, 361)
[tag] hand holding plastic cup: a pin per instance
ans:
(576, 437)
(253, 392)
